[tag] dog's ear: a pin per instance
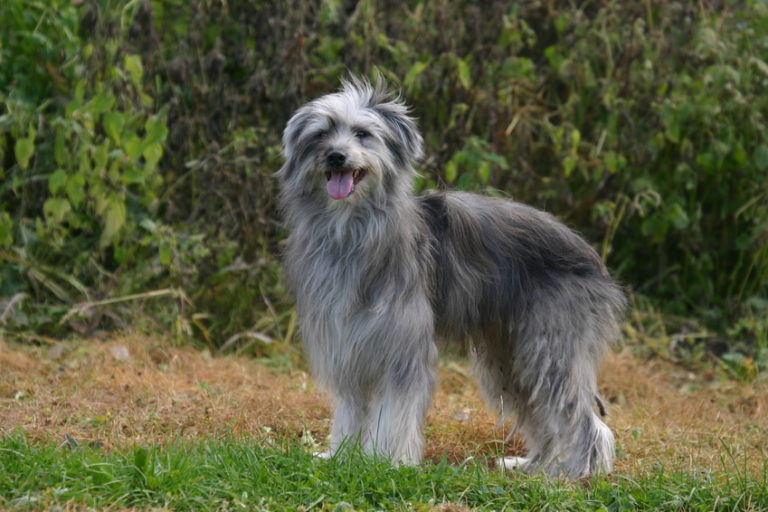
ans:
(291, 140)
(405, 142)
(294, 129)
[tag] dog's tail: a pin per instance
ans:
(604, 448)
(593, 448)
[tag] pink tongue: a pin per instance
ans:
(340, 185)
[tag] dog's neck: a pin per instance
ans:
(362, 224)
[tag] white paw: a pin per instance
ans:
(511, 463)
(323, 455)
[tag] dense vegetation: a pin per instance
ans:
(138, 139)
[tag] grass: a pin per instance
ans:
(136, 423)
(245, 475)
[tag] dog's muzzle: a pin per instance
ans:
(341, 180)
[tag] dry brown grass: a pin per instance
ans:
(94, 394)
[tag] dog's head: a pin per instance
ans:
(350, 145)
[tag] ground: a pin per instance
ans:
(134, 389)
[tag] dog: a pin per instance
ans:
(380, 275)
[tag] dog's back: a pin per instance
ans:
(496, 258)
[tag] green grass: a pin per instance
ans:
(241, 475)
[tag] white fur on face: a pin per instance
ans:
(376, 136)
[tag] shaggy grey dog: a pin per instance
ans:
(379, 275)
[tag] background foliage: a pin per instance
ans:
(138, 139)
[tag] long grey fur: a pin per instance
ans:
(380, 275)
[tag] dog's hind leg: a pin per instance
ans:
(576, 444)
(563, 433)
(549, 384)
(588, 444)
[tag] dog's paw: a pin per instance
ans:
(323, 455)
(511, 463)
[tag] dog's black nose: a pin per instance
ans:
(336, 159)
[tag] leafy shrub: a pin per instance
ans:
(84, 181)
(640, 124)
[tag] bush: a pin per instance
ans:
(641, 125)
(81, 192)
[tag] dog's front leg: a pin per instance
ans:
(396, 426)
(348, 422)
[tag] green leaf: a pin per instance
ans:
(6, 230)
(152, 154)
(133, 146)
(569, 164)
(561, 22)
(707, 161)
(55, 209)
(60, 150)
(678, 216)
(146, 100)
(98, 191)
(496, 159)
(72, 108)
(100, 104)
(80, 91)
(24, 148)
(575, 140)
(484, 172)
(113, 123)
(156, 130)
(132, 174)
(450, 171)
(554, 57)
(464, 74)
(116, 169)
(465, 181)
(673, 130)
(132, 64)
(85, 161)
(101, 156)
(652, 228)
(75, 188)
(414, 72)
(114, 218)
(57, 180)
(614, 161)
(166, 255)
(761, 157)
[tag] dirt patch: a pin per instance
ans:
(135, 389)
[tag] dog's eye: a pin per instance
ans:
(362, 134)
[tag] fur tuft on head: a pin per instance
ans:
(368, 93)
(391, 108)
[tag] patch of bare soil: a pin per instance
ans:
(134, 389)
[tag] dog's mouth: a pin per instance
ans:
(342, 183)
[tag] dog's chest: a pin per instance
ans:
(345, 342)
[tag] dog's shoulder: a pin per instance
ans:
(434, 211)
